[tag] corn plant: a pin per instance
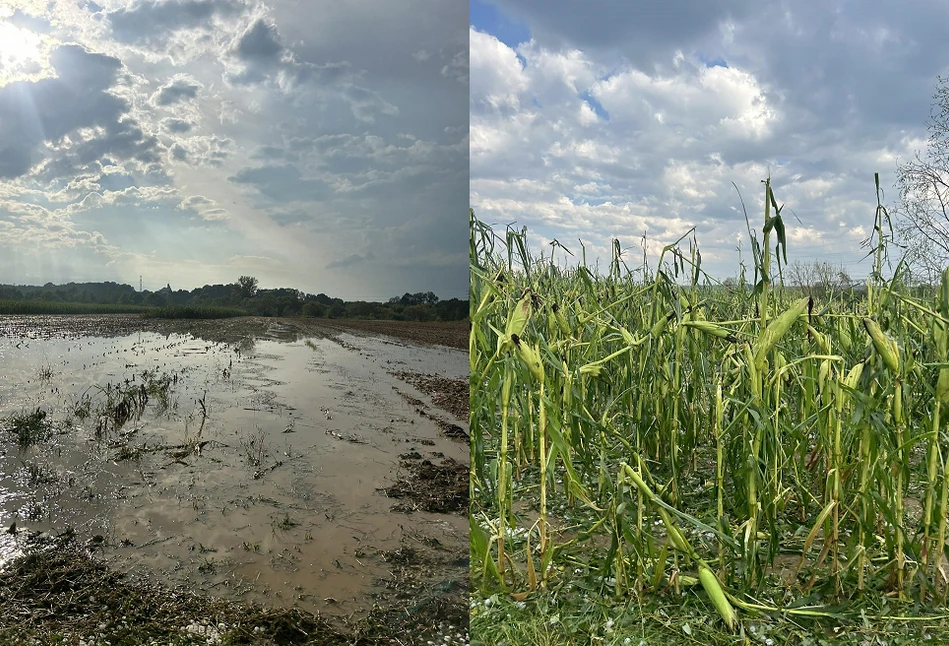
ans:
(705, 434)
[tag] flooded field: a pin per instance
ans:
(276, 464)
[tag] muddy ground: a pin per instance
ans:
(294, 482)
(452, 335)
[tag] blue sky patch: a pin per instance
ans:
(487, 17)
(596, 105)
(718, 61)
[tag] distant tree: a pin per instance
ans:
(922, 215)
(156, 299)
(818, 277)
(247, 286)
(363, 310)
(314, 309)
(419, 298)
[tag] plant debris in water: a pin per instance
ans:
(59, 589)
(29, 428)
(57, 592)
(440, 488)
(448, 394)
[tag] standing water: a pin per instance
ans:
(255, 469)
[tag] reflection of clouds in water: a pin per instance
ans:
(313, 477)
(9, 543)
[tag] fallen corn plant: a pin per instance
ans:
(653, 428)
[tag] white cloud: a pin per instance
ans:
(597, 127)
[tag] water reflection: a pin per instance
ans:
(259, 476)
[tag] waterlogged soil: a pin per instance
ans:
(276, 462)
(453, 334)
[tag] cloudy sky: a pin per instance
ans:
(632, 118)
(321, 146)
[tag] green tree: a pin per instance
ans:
(247, 286)
(314, 309)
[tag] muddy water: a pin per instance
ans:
(282, 502)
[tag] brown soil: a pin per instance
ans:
(453, 334)
(439, 488)
(451, 395)
(59, 591)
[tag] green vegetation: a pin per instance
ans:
(242, 298)
(52, 307)
(659, 459)
(29, 428)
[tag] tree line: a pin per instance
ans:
(246, 295)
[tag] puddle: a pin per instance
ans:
(253, 470)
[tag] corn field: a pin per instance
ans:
(659, 430)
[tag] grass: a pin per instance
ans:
(126, 401)
(705, 457)
(29, 428)
(575, 618)
(46, 307)
(8, 307)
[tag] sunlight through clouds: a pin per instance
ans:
(114, 115)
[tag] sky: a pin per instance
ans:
(319, 146)
(631, 120)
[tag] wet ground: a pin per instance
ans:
(267, 461)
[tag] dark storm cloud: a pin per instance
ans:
(45, 111)
(260, 43)
(148, 20)
(644, 32)
(283, 183)
(178, 90)
(177, 126)
(349, 261)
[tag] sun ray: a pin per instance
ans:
(19, 52)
